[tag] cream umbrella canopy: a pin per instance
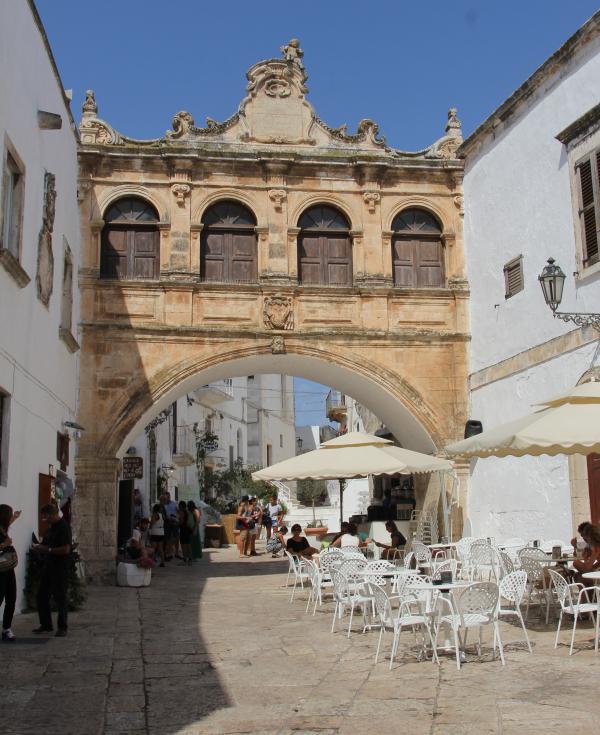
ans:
(566, 424)
(352, 455)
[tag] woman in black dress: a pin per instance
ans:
(187, 524)
(8, 580)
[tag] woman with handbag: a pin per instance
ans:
(8, 562)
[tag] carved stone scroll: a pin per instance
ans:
(45, 264)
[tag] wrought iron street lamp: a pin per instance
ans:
(552, 281)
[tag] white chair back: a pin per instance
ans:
(372, 572)
(512, 587)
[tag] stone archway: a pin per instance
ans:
(143, 378)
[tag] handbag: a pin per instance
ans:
(8, 559)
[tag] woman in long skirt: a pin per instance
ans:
(196, 538)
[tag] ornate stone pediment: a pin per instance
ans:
(274, 113)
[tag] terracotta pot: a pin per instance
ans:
(318, 531)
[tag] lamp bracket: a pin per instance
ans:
(581, 319)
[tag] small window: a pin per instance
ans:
(513, 277)
(62, 450)
(130, 241)
(588, 176)
(13, 185)
(4, 425)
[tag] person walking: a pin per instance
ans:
(171, 526)
(254, 524)
(157, 532)
(196, 536)
(241, 524)
(8, 580)
(187, 523)
(54, 583)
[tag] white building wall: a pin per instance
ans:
(36, 368)
(519, 202)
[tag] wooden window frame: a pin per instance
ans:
(590, 211)
(4, 436)
(228, 231)
(12, 201)
(417, 238)
(509, 268)
(324, 235)
(130, 227)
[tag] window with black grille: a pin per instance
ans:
(513, 277)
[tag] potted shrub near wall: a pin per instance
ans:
(315, 493)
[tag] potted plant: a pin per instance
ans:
(315, 528)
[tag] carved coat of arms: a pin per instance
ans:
(278, 312)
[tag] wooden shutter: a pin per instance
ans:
(310, 251)
(114, 253)
(337, 257)
(143, 248)
(429, 263)
(513, 277)
(589, 211)
(404, 262)
(242, 257)
(213, 256)
(593, 467)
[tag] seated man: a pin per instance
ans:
(136, 546)
(298, 545)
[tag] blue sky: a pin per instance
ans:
(402, 63)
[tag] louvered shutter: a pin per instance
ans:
(513, 277)
(589, 208)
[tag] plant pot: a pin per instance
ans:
(318, 531)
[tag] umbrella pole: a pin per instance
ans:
(445, 511)
(342, 483)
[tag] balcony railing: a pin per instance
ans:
(335, 406)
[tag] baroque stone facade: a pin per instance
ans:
(143, 338)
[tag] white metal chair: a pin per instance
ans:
(328, 558)
(512, 589)
(474, 607)
(318, 585)
(421, 553)
(483, 560)
(298, 570)
(406, 617)
(373, 571)
(507, 563)
(462, 549)
(346, 596)
(533, 564)
(565, 593)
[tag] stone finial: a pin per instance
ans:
(89, 107)
(293, 53)
(453, 126)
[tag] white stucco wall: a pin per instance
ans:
(518, 201)
(36, 369)
(524, 496)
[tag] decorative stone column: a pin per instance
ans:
(195, 245)
(179, 264)
(460, 512)
(386, 257)
(292, 249)
(95, 512)
(359, 266)
(262, 234)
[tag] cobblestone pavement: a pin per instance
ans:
(218, 648)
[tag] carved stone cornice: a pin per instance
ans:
(262, 231)
(448, 239)
(96, 225)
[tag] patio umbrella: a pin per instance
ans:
(352, 455)
(566, 424)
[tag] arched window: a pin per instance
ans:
(417, 255)
(130, 240)
(324, 248)
(228, 251)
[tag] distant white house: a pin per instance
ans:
(531, 192)
(39, 261)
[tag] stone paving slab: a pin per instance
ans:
(219, 649)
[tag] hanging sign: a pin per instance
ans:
(133, 468)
